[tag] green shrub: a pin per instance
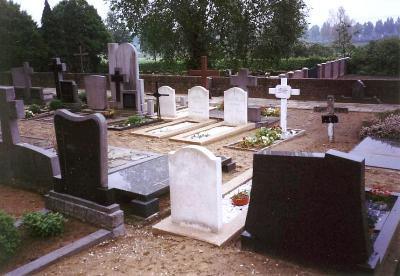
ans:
(9, 237)
(44, 225)
(56, 104)
(134, 120)
(29, 114)
(82, 97)
(34, 108)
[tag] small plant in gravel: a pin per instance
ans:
(220, 106)
(271, 112)
(9, 237)
(134, 120)
(34, 108)
(82, 96)
(264, 137)
(29, 114)
(56, 104)
(44, 225)
(386, 128)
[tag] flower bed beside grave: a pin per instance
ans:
(386, 126)
(132, 122)
(270, 111)
(35, 111)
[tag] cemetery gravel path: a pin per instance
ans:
(139, 252)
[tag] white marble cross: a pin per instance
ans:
(283, 91)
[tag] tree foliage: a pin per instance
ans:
(20, 39)
(117, 29)
(343, 32)
(238, 30)
(74, 23)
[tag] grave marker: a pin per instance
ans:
(235, 106)
(96, 92)
(69, 91)
(58, 69)
(117, 78)
(196, 188)
(158, 95)
(204, 72)
(167, 104)
(21, 76)
(243, 80)
(330, 118)
(198, 103)
(283, 91)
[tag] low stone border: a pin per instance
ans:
(56, 255)
(113, 125)
(233, 145)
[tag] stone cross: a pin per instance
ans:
(283, 91)
(330, 118)
(58, 69)
(10, 111)
(243, 80)
(158, 95)
(81, 55)
(204, 72)
(118, 78)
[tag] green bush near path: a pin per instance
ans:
(9, 237)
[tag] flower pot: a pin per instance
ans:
(240, 201)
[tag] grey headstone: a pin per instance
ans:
(96, 92)
(243, 80)
(21, 76)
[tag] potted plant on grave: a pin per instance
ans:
(241, 198)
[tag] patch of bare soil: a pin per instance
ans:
(142, 253)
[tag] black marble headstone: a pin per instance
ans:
(82, 150)
(128, 100)
(69, 91)
(309, 206)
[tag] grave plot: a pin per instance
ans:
(131, 122)
(313, 207)
(235, 121)
(197, 116)
(201, 207)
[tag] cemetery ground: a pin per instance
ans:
(141, 252)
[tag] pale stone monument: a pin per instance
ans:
(195, 178)
(235, 106)
(198, 103)
(96, 92)
(168, 103)
(243, 79)
(283, 92)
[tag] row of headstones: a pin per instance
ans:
(327, 70)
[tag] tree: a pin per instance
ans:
(20, 38)
(71, 24)
(379, 29)
(326, 32)
(314, 34)
(117, 29)
(344, 32)
(231, 29)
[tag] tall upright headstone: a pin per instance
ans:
(198, 103)
(243, 80)
(196, 188)
(283, 92)
(112, 64)
(167, 104)
(82, 149)
(69, 91)
(126, 58)
(58, 68)
(21, 76)
(96, 92)
(235, 106)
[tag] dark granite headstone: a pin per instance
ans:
(254, 114)
(69, 91)
(128, 100)
(58, 68)
(82, 150)
(310, 206)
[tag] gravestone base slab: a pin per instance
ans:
(172, 128)
(204, 140)
(110, 217)
(144, 209)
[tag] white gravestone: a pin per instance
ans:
(96, 92)
(198, 103)
(127, 59)
(235, 106)
(195, 178)
(283, 91)
(167, 103)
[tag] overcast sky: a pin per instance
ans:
(359, 10)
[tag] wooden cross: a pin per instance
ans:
(118, 78)
(10, 111)
(58, 69)
(330, 118)
(243, 80)
(204, 72)
(283, 91)
(81, 55)
(157, 95)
